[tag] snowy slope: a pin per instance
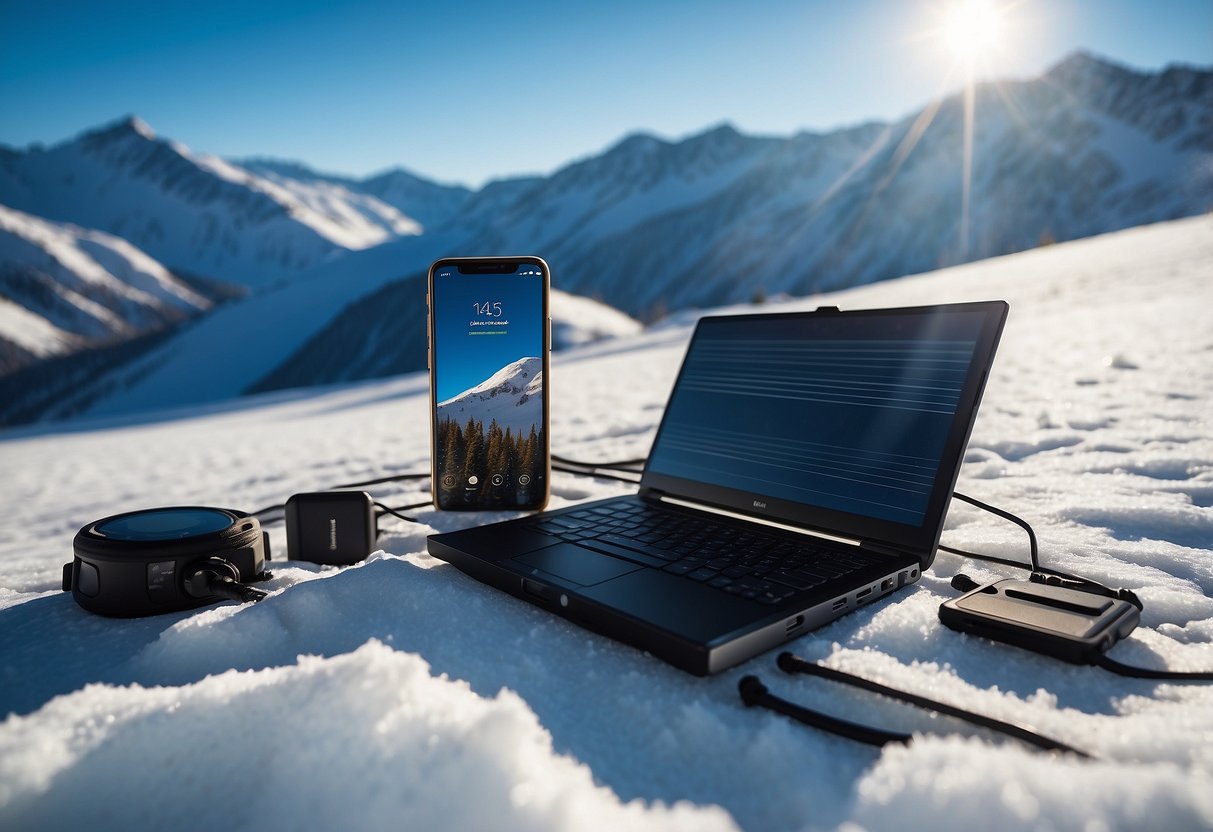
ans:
(511, 397)
(426, 700)
(578, 320)
(383, 334)
(193, 211)
(352, 219)
(63, 287)
(298, 335)
(226, 352)
(429, 204)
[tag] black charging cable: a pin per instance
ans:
(1113, 666)
(220, 578)
(571, 466)
(629, 465)
(390, 478)
(395, 510)
(600, 469)
(1053, 577)
(1038, 574)
(377, 481)
(755, 694)
(594, 473)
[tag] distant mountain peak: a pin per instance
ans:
(511, 397)
(129, 125)
(1084, 64)
(723, 129)
(513, 379)
(138, 125)
(640, 140)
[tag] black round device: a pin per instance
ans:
(166, 559)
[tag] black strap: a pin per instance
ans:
(753, 692)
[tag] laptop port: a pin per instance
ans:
(839, 604)
(886, 584)
(794, 624)
(863, 593)
(538, 590)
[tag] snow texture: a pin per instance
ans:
(399, 693)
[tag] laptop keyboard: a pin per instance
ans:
(736, 560)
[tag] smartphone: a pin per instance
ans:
(490, 335)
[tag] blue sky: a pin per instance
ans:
(469, 91)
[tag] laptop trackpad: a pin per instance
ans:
(581, 566)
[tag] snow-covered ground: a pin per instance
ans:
(400, 694)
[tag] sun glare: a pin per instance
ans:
(971, 28)
(970, 40)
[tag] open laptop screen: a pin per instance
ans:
(850, 413)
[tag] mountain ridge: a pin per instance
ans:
(66, 288)
(192, 211)
(653, 225)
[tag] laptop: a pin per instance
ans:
(802, 468)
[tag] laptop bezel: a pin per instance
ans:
(919, 541)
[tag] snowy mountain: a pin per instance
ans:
(194, 212)
(512, 397)
(431, 203)
(428, 204)
(302, 333)
(64, 288)
(452, 705)
(653, 225)
(649, 226)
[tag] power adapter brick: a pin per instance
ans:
(335, 528)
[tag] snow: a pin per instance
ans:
(238, 344)
(32, 331)
(195, 211)
(401, 693)
(348, 218)
(83, 256)
(103, 284)
(578, 320)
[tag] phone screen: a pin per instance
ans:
(489, 352)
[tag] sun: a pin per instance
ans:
(971, 28)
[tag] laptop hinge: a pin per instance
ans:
(881, 549)
(749, 518)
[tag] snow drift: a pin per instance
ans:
(424, 699)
